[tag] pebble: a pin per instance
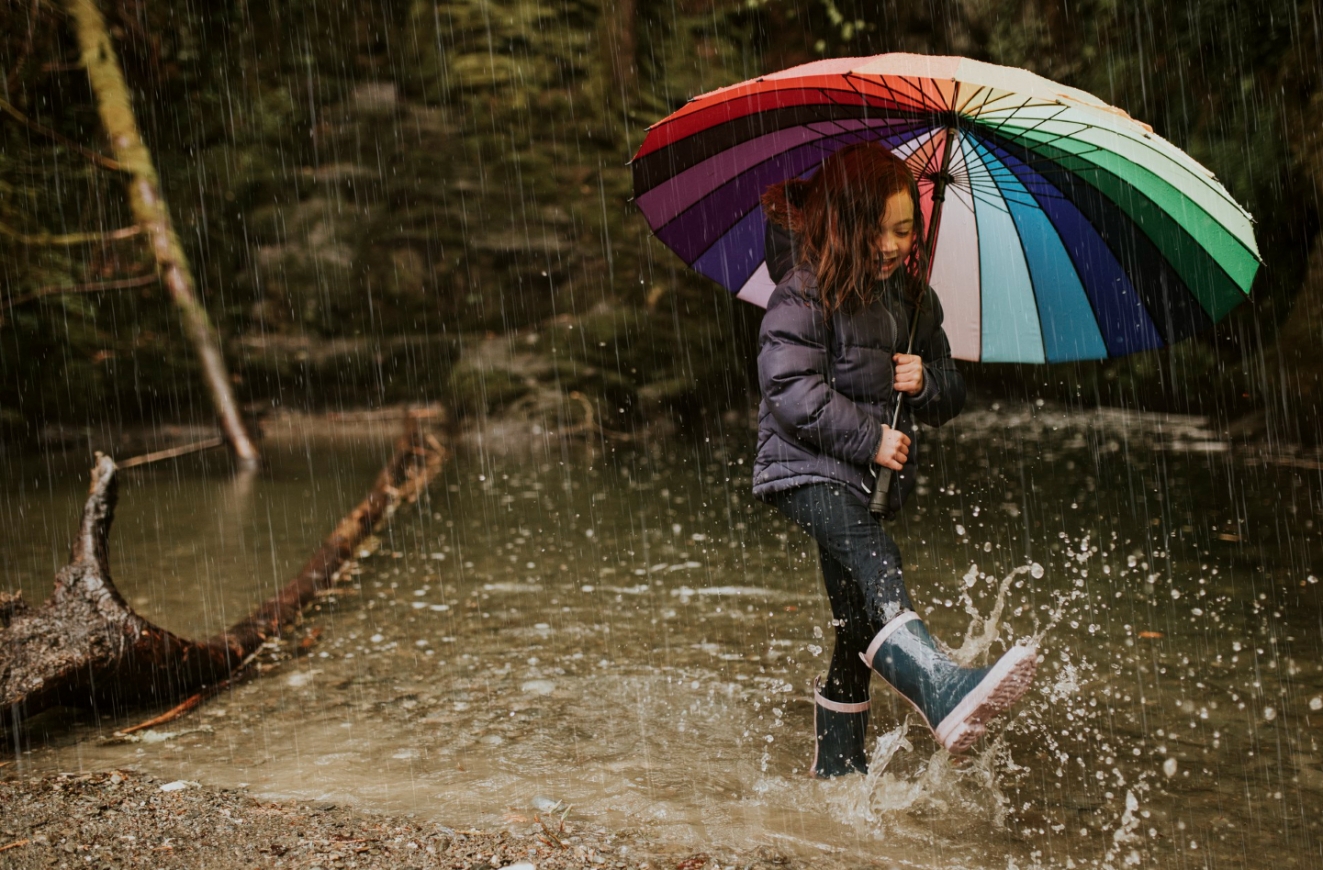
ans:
(299, 679)
(537, 687)
(522, 865)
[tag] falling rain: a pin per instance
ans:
(434, 438)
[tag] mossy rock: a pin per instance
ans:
(484, 391)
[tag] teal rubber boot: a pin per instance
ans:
(839, 734)
(955, 702)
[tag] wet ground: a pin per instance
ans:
(618, 630)
(125, 819)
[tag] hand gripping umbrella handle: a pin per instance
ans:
(879, 505)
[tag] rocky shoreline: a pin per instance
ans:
(122, 818)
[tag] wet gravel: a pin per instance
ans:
(128, 819)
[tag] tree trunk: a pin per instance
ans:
(152, 214)
(86, 647)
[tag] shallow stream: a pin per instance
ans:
(621, 630)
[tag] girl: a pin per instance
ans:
(830, 371)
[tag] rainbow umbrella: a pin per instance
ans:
(1069, 230)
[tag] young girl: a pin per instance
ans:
(831, 369)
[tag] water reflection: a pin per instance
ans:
(623, 630)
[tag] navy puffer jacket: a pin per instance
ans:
(827, 387)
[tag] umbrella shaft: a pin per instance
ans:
(939, 199)
(877, 505)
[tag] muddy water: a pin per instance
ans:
(621, 630)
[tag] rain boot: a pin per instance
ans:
(839, 731)
(955, 702)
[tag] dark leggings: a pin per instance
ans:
(862, 571)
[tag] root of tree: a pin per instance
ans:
(85, 647)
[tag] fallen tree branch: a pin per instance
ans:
(99, 159)
(62, 289)
(70, 239)
(85, 647)
(187, 706)
(172, 452)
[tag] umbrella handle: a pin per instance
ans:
(878, 505)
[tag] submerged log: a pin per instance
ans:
(85, 646)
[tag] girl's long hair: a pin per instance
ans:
(834, 217)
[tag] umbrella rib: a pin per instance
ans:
(1024, 256)
(988, 100)
(1138, 229)
(824, 91)
(1056, 231)
(815, 144)
(1095, 149)
(1147, 142)
(883, 81)
(742, 214)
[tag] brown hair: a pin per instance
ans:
(835, 217)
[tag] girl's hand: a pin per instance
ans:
(908, 373)
(894, 450)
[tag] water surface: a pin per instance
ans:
(621, 628)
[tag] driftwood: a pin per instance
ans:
(85, 647)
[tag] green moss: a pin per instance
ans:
(475, 391)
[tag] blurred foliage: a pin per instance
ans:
(369, 191)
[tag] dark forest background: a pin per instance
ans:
(412, 201)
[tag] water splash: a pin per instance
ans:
(1126, 836)
(898, 786)
(983, 631)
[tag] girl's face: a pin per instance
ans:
(895, 235)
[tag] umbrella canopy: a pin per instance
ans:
(1069, 230)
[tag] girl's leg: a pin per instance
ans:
(847, 677)
(956, 701)
(841, 702)
(860, 568)
(849, 535)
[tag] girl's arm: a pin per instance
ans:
(792, 367)
(943, 393)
